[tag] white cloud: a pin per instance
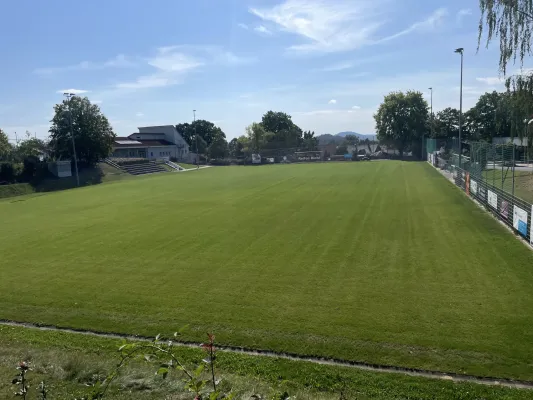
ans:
(433, 21)
(139, 114)
(491, 80)
(328, 25)
(356, 108)
(73, 91)
(332, 101)
(120, 61)
(171, 67)
(243, 26)
(231, 59)
(262, 29)
(335, 25)
(463, 13)
(341, 66)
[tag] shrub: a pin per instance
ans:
(7, 172)
(220, 161)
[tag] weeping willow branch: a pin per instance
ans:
(511, 21)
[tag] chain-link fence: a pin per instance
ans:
(499, 176)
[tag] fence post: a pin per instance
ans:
(493, 165)
(502, 165)
(513, 172)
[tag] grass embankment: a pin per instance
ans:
(382, 262)
(187, 166)
(69, 361)
(101, 173)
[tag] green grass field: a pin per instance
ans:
(383, 262)
(523, 182)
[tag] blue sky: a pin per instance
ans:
(328, 63)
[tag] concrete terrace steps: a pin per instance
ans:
(143, 168)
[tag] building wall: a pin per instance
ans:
(154, 153)
(171, 135)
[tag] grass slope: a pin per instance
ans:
(384, 262)
(68, 361)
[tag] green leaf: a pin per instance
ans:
(214, 395)
(157, 337)
(199, 370)
(163, 372)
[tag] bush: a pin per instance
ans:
(7, 172)
(220, 161)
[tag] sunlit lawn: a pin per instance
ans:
(383, 262)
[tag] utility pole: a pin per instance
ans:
(196, 136)
(460, 50)
(69, 97)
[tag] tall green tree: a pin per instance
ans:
(446, 123)
(5, 146)
(235, 148)
(218, 147)
(205, 129)
(402, 119)
(31, 147)
(285, 133)
(351, 140)
(310, 142)
(257, 137)
(92, 132)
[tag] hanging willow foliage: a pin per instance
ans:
(512, 22)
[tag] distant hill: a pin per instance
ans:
(359, 135)
(339, 137)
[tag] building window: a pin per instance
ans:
(151, 153)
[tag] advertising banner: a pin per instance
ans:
(482, 194)
(504, 209)
(493, 200)
(531, 233)
(473, 187)
(520, 220)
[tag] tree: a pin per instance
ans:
(351, 140)
(446, 123)
(205, 129)
(310, 142)
(31, 147)
(401, 119)
(235, 148)
(92, 132)
(284, 132)
(257, 137)
(512, 22)
(342, 149)
(5, 146)
(218, 147)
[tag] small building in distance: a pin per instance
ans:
(153, 143)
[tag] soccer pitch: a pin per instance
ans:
(382, 262)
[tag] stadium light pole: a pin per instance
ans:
(69, 97)
(460, 50)
(196, 137)
(431, 109)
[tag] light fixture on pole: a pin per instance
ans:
(69, 97)
(196, 136)
(460, 50)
